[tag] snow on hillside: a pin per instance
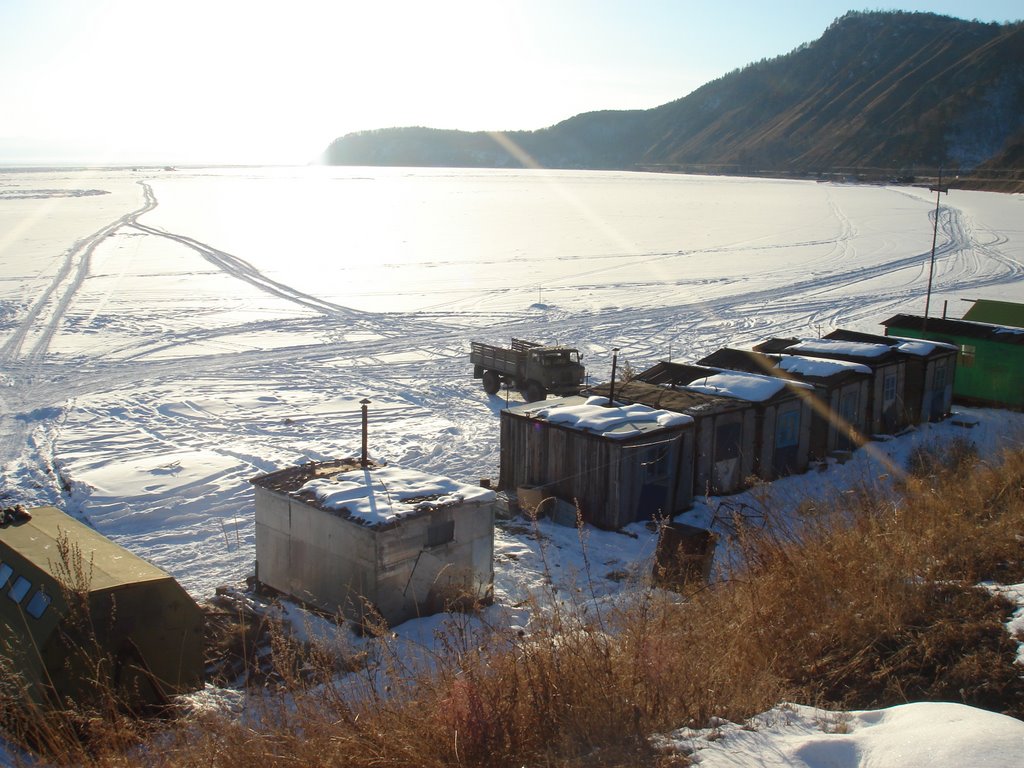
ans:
(166, 336)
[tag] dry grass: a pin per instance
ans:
(870, 605)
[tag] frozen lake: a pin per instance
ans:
(167, 335)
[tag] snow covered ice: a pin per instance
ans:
(167, 335)
(166, 340)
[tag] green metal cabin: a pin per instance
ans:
(990, 366)
(133, 622)
(1007, 313)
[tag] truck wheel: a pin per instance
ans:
(535, 392)
(491, 382)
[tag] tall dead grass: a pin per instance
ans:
(868, 603)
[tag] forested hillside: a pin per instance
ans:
(878, 94)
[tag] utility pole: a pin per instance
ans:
(938, 189)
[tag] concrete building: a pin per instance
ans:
(373, 540)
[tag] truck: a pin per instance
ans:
(534, 369)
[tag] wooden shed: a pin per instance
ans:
(82, 615)
(781, 408)
(931, 368)
(887, 411)
(366, 540)
(724, 431)
(619, 464)
(841, 390)
(990, 363)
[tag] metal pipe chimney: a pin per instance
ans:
(611, 390)
(364, 461)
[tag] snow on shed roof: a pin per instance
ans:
(920, 348)
(385, 494)
(839, 347)
(915, 347)
(819, 367)
(618, 422)
(743, 386)
(372, 495)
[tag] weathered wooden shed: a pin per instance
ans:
(619, 464)
(990, 364)
(781, 408)
(841, 389)
(887, 411)
(931, 368)
(82, 615)
(365, 540)
(724, 431)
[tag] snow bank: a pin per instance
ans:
(922, 735)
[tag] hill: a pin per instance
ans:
(879, 93)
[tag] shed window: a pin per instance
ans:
(966, 357)
(787, 432)
(38, 604)
(5, 574)
(20, 589)
(440, 533)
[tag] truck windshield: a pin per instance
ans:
(561, 357)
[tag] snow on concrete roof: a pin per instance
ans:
(618, 422)
(838, 347)
(381, 495)
(818, 366)
(744, 386)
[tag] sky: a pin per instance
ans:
(226, 82)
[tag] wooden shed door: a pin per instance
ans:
(848, 404)
(787, 442)
(725, 475)
(656, 463)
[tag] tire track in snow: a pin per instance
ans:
(65, 283)
(243, 270)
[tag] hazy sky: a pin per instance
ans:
(205, 81)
